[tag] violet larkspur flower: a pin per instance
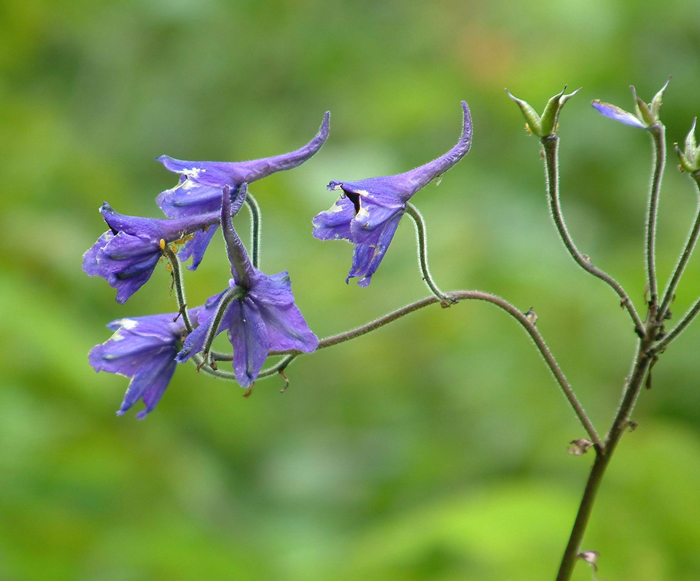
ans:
(201, 182)
(126, 255)
(644, 116)
(369, 211)
(257, 311)
(143, 349)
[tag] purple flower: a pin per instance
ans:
(369, 211)
(201, 182)
(143, 349)
(257, 311)
(126, 255)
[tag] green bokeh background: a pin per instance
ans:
(432, 449)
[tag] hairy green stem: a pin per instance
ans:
(178, 285)
(678, 329)
(640, 368)
(550, 146)
(524, 321)
(682, 261)
(658, 137)
(255, 228)
(413, 212)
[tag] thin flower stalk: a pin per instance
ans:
(550, 146)
(682, 261)
(658, 137)
(255, 228)
(421, 231)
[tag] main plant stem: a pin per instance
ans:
(603, 456)
(645, 352)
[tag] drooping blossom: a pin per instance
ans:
(369, 210)
(142, 349)
(126, 255)
(257, 312)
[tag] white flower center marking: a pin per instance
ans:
(127, 324)
(362, 214)
(193, 172)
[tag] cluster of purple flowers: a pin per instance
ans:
(257, 311)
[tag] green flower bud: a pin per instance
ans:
(690, 157)
(546, 125)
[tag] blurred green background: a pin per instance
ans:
(432, 449)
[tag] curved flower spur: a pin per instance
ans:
(257, 311)
(369, 211)
(201, 183)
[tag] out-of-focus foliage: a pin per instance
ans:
(433, 449)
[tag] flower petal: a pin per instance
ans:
(248, 335)
(272, 290)
(287, 329)
(189, 198)
(149, 384)
(197, 246)
(367, 257)
(334, 223)
(614, 112)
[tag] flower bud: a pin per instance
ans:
(690, 157)
(546, 125)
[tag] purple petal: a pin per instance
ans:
(197, 246)
(126, 262)
(150, 384)
(248, 335)
(189, 198)
(272, 290)
(90, 264)
(367, 257)
(334, 223)
(368, 225)
(286, 328)
(614, 112)
(195, 340)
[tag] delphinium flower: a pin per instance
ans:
(143, 349)
(126, 255)
(369, 210)
(257, 311)
(201, 183)
(644, 116)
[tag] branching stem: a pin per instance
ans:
(529, 327)
(550, 145)
(640, 368)
(679, 328)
